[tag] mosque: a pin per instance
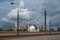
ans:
(33, 27)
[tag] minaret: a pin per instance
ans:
(28, 22)
(38, 22)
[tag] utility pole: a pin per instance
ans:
(45, 15)
(49, 26)
(45, 21)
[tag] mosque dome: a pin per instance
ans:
(32, 27)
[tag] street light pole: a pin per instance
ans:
(18, 23)
(17, 19)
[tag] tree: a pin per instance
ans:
(58, 29)
(1, 29)
(11, 29)
(21, 30)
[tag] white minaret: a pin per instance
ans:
(28, 22)
(38, 23)
(15, 26)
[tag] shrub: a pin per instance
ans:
(1, 29)
(11, 29)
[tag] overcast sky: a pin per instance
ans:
(8, 12)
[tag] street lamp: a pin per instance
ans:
(17, 19)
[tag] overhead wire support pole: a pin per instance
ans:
(50, 26)
(45, 22)
(45, 15)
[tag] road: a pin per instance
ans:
(44, 37)
(8, 33)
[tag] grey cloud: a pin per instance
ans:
(53, 7)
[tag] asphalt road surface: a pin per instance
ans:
(44, 37)
(7, 33)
